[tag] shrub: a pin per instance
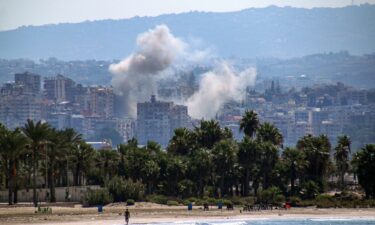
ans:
(98, 197)
(306, 203)
(186, 202)
(227, 202)
(249, 200)
(130, 202)
(310, 190)
(294, 201)
(325, 201)
(122, 189)
(199, 202)
(272, 195)
(159, 199)
(192, 199)
(238, 201)
(172, 203)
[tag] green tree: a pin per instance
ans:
(175, 172)
(181, 142)
(267, 132)
(200, 166)
(224, 158)
(12, 146)
(295, 162)
(316, 150)
(81, 159)
(208, 133)
(364, 164)
(247, 157)
(55, 151)
(341, 155)
(37, 133)
(249, 123)
(267, 161)
(107, 161)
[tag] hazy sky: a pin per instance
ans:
(15, 13)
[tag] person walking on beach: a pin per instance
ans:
(127, 216)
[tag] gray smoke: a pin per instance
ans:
(135, 76)
(218, 87)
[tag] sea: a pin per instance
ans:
(313, 221)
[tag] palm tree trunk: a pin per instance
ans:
(35, 200)
(342, 180)
(292, 181)
(52, 180)
(15, 183)
(10, 182)
(246, 187)
(15, 195)
(76, 176)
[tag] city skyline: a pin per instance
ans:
(16, 13)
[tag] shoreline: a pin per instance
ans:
(143, 213)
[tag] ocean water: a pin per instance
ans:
(315, 221)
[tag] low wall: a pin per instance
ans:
(76, 194)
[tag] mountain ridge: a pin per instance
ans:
(282, 32)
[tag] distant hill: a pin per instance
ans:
(267, 32)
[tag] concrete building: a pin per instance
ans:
(20, 101)
(30, 81)
(101, 102)
(16, 110)
(59, 88)
(156, 120)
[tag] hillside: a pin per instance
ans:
(267, 32)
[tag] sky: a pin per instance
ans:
(16, 13)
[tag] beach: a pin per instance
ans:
(141, 213)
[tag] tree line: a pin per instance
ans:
(204, 161)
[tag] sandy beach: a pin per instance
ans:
(154, 213)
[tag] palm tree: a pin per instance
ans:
(37, 134)
(364, 164)
(56, 151)
(73, 141)
(81, 156)
(224, 158)
(249, 123)
(108, 161)
(268, 158)
(201, 168)
(247, 156)
(181, 142)
(316, 150)
(12, 146)
(295, 162)
(268, 132)
(341, 155)
(208, 133)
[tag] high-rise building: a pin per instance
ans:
(30, 81)
(101, 102)
(16, 109)
(20, 101)
(156, 120)
(59, 88)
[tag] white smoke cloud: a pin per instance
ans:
(218, 87)
(135, 76)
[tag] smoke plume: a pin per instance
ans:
(218, 87)
(135, 76)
